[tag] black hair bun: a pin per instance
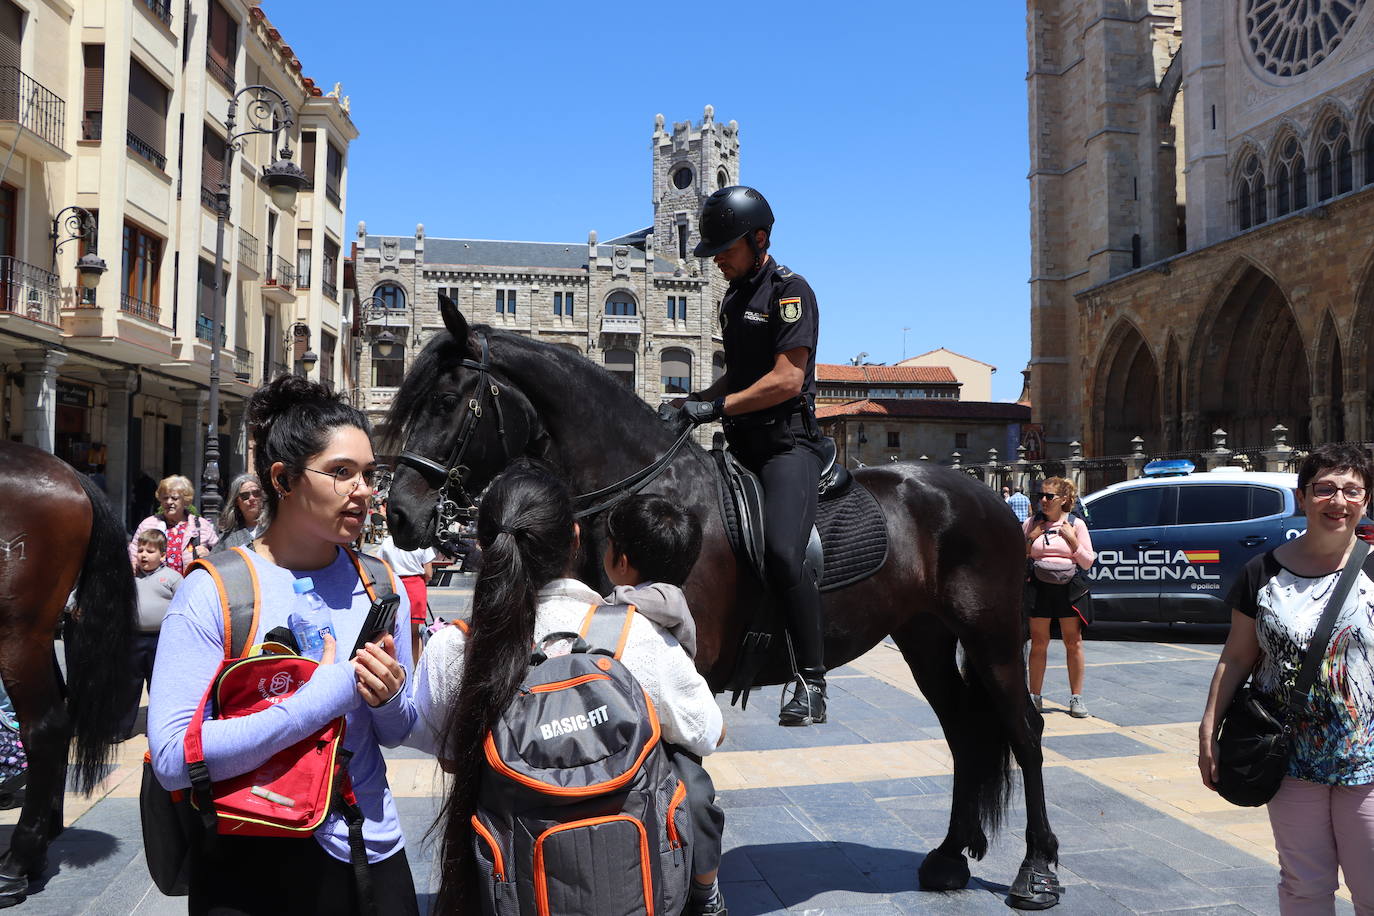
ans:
(283, 393)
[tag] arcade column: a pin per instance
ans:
(119, 385)
(40, 396)
(192, 436)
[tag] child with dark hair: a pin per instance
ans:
(652, 545)
(157, 584)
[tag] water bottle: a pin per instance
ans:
(310, 619)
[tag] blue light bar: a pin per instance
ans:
(1169, 467)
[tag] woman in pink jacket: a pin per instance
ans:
(189, 536)
(1058, 545)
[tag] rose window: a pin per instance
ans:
(1289, 37)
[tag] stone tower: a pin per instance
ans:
(689, 164)
(1106, 199)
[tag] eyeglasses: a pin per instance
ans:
(250, 494)
(346, 479)
(1351, 493)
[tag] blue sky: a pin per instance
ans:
(890, 139)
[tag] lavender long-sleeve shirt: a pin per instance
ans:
(191, 648)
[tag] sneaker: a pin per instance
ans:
(1076, 707)
(712, 907)
(807, 706)
(1038, 702)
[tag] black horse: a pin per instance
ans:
(58, 532)
(477, 398)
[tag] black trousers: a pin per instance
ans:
(784, 455)
(708, 820)
(140, 673)
(267, 876)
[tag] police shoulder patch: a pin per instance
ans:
(790, 309)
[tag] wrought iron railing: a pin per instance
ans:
(243, 364)
(162, 9)
(31, 104)
(248, 248)
(280, 274)
(209, 197)
(28, 291)
(205, 330)
(331, 192)
(137, 307)
(330, 288)
(145, 149)
(220, 71)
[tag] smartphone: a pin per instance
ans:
(380, 620)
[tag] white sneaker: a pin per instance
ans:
(1076, 707)
(1038, 702)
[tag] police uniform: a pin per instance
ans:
(770, 312)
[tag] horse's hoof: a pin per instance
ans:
(943, 872)
(13, 889)
(1034, 890)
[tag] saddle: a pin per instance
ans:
(848, 544)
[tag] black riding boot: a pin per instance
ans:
(807, 706)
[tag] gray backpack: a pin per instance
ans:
(579, 809)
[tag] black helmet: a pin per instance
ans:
(729, 215)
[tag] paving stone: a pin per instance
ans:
(1092, 747)
(750, 898)
(750, 798)
(813, 875)
(1138, 880)
(1266, 876)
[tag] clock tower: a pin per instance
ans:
(690, 162)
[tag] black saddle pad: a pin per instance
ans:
(853, 533)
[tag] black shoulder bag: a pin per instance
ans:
(1255, 740)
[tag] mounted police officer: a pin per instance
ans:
(766, 400)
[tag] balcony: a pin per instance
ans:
(331, 289)
(222, 71)
(620, 324)
(205, 330)
(31, 117)
(145, 150)
(243, 364)
(209, 197)
(28, 291)
(162, 9)
(132, 305)
(248, 251)
(280, 280)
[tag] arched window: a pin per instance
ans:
(722, 179)
(1292, 178)
(392, 295)
(621, 303)
(675, 370)
(621, 364)
(1251, 207)
(1334, 166)
(717, 366)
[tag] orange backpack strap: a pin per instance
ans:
(607, 626)
(375, 573)
(240, 598)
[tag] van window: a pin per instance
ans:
(1264, 501)
(1138, 507)
(1212, 503)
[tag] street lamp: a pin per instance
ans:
(298, 336)
(78, 223)
(375, 308)
(266, 112)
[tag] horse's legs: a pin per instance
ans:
(1036, 885)
(928, 647)
(46, 731)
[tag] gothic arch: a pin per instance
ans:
(1127, 401)
(1328, 383)
(1250, 365)
(1171, 399)
(1360, 348)
(1329, 109)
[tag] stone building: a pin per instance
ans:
(974, 375)
(876, 430)
(640, 304)
(1202, 202)
(119, 108)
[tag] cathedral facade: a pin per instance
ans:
(1202, 221)
(639, 304)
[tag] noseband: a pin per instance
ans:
(452, 471)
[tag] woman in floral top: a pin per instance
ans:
(1323, 814)
(181, 527)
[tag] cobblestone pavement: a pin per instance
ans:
(836, 819)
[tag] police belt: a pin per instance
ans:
(780, 413)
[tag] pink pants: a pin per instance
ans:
(1316, 829)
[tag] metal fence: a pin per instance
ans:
(135, 306)
(28, 290)
(31, 104)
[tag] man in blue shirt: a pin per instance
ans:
(1019, 504)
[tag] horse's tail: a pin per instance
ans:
(988, 761)
(100, 640)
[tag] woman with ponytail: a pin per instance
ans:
(314, 457)
(524, 592)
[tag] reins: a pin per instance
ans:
(454, 473)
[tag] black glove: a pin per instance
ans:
(702, 411)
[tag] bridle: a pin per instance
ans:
(454, 502)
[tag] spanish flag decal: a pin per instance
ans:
(1203, 556)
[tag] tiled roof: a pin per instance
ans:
(841, 372)
(927, 408)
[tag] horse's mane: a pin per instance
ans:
(443, 353)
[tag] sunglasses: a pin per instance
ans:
(250, 494)
(1040, 496)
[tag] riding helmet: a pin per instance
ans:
(729, 215)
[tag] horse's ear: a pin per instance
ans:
(455, 322)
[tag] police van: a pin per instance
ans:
(1170, 544)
